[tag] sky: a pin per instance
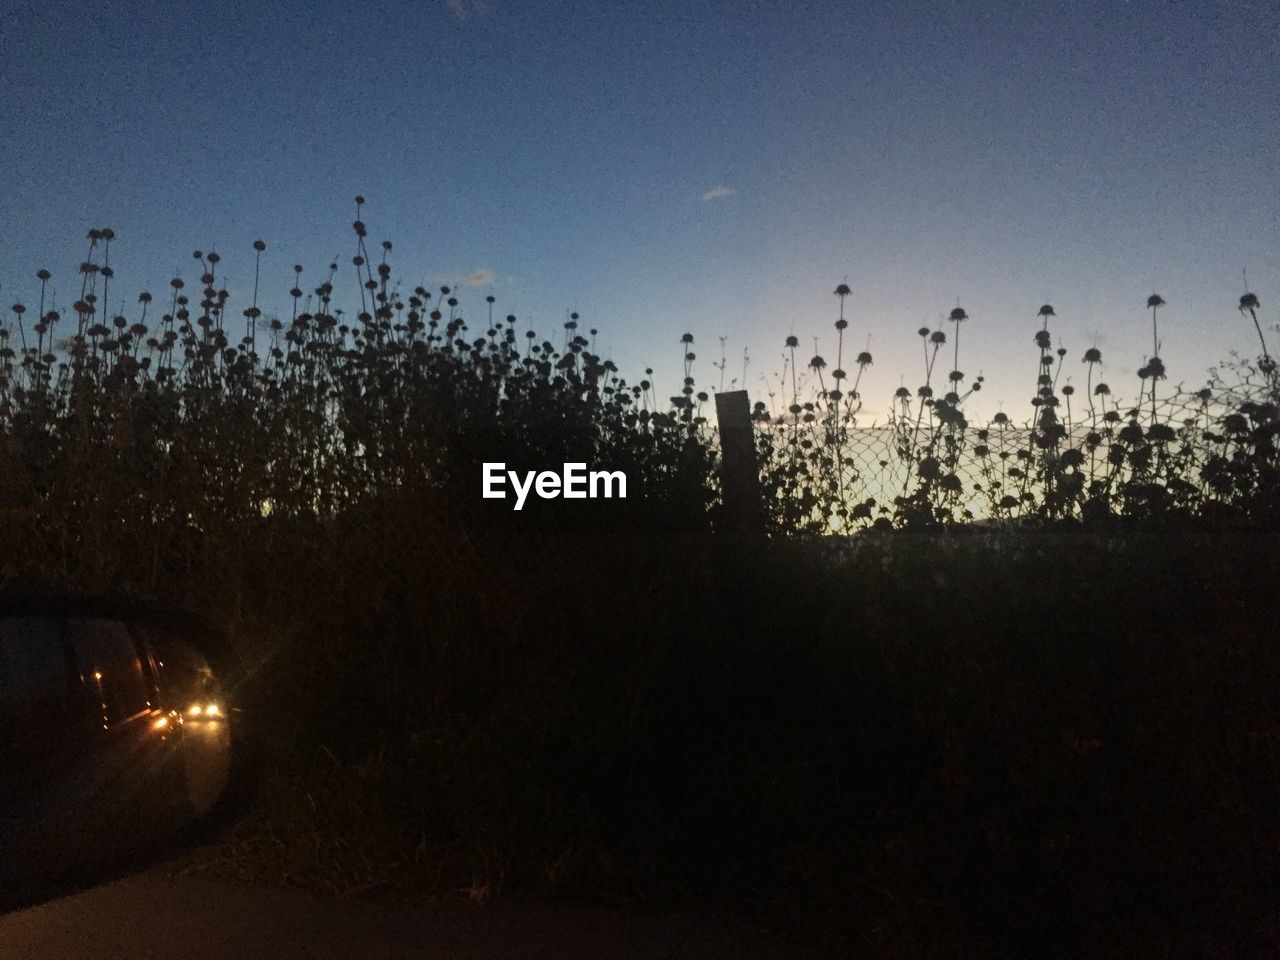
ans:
(672, 167)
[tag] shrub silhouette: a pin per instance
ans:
(979, 735)
(1192, 454)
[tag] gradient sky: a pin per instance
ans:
(715, 168)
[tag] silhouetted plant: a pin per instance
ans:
(928, 465)
(182, 430)
(132, 440)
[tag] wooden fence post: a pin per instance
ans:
(739, 472)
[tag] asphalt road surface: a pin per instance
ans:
(158, 916)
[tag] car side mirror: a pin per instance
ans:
(120, 729)
(199, 682)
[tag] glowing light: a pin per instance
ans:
(159, 723)
(97, 675)
(195, 710)
(212, 710)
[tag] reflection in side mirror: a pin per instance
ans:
(119, 732)
(197, 702)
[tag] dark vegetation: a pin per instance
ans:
(1058, 737)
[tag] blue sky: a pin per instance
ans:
(670, 167)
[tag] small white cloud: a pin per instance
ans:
(718, 192)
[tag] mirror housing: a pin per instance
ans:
(121, 731)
